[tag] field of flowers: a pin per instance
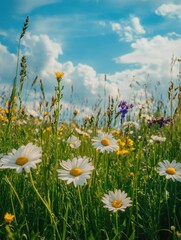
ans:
(105, 177)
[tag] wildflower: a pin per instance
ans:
(59, 74)
(125, 146)
(76, 112)
(77, 170)
(8, 217)
(32, 113)
(130, 124)
(105, 142)
(131, 174)
(25, 157)
(129, 142)
(115, 132)
(79, 131)
(146, 117)
(73, 141)
(158, 138)
(117, 200)
(162, 122)
(13, 118)
(172, 228)
(170, 170)
(45, 113)
(47, 130)
(122, 152)
(124, 106)
(178, 234)
(121, 143)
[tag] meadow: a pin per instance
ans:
(107, 176)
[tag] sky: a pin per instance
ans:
(105, 48)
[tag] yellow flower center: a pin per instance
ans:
(117, 204)
(171, 171)
(72, 143)
(105, 142)
(76, 172)
(21, 161)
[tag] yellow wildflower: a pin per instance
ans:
(13, 118)
(47, 130)
(130, 142)
(59, 74)
(121, 143)
(178, 234)
(2, 111)
(45, 113)
(131, 174)
(8, 217)
(132, 149)
(122, 152)
(115, 132)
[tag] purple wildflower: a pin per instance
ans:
(162, 122)
(124, 106)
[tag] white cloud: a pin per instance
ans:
(137, 26)
(154, 52)
(171, 10)
(42, 53)
(148, 57)
(129, 30)
(26, 6)
(8, 66)
(44, 58)
(152, 59)
(116, 27)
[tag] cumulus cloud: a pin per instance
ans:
(152, 58)
(128, 30)
(8, 66)
(42, 53)
(153, 52)
(81, 82)
(137, 26)
(44, 57)
(26, 6)
(171, 10)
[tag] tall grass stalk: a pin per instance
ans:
(47, 206)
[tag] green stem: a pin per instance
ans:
(14, 190)
(65, 223)
(17, 196)
(117, 224)
(82, 210)
(52, 216)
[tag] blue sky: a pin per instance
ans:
(128, 40)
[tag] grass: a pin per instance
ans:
(45, 207)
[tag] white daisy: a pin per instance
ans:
(105, 142)
(25, 157)
(73, 142)
(77, 170)
(117, 200)
(170, 170)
